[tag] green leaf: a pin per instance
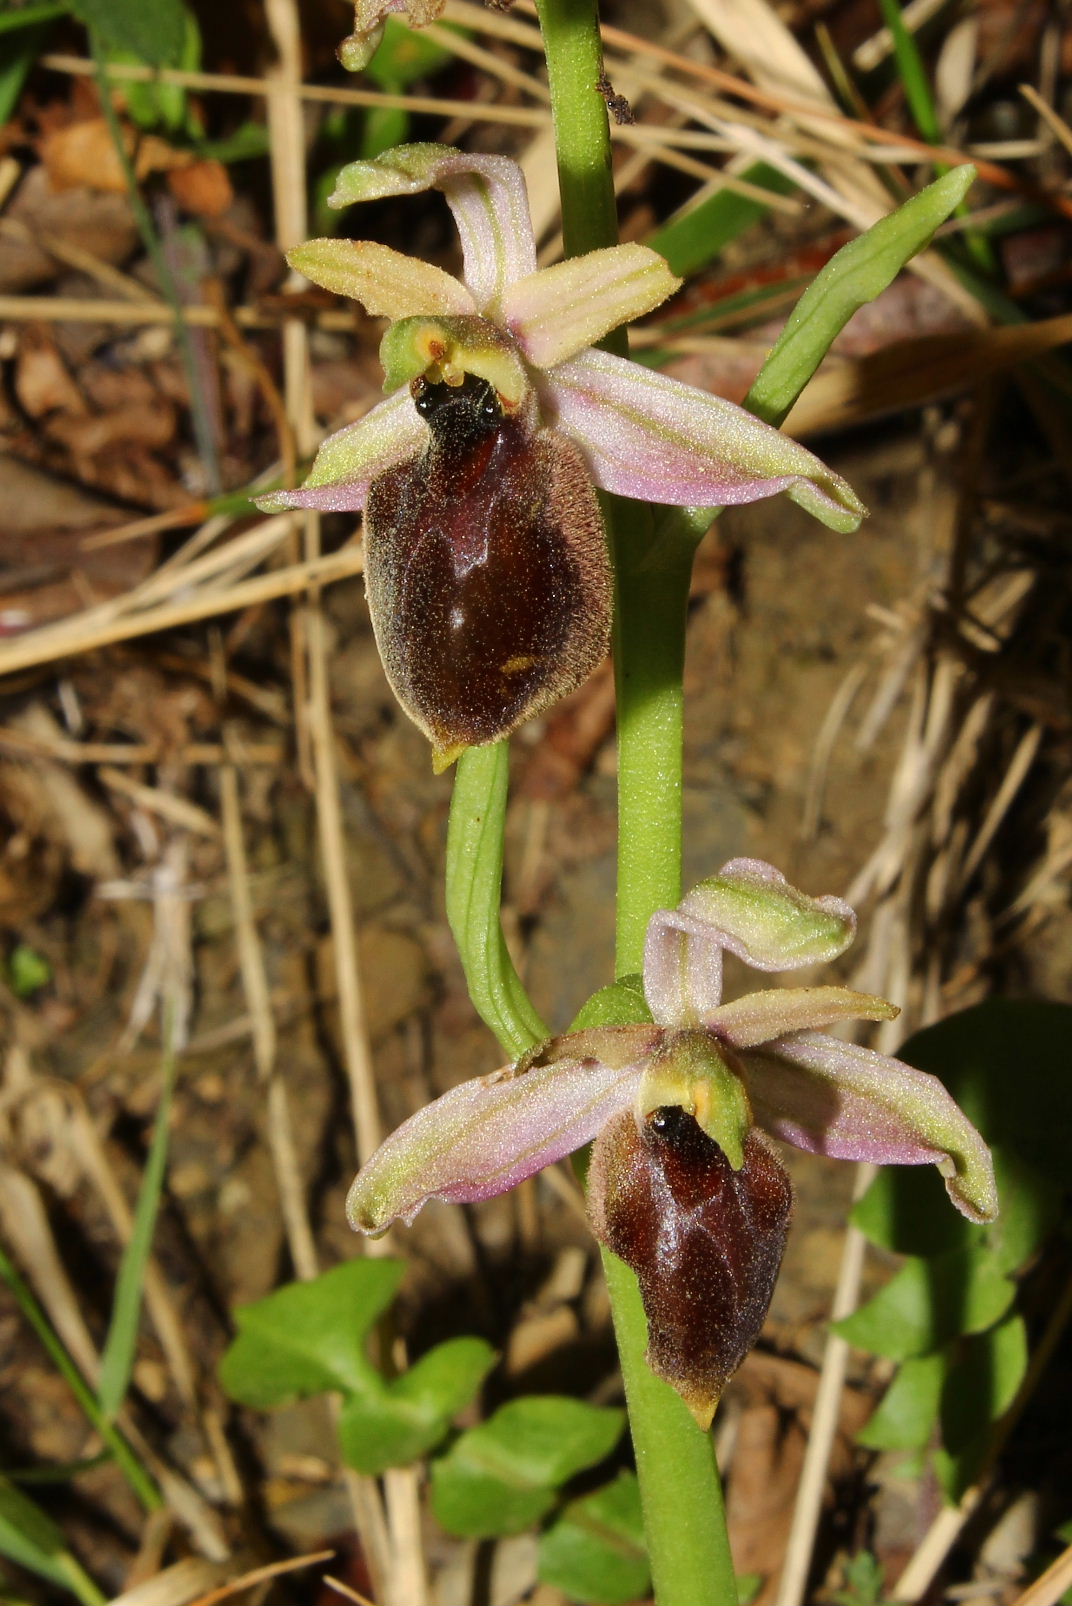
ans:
(18, 57)
(446, 1378)
(858, 273)
(30, 16)
(595, 1551)
(929, 1302)
(864, 1581)
(155, 31)
(384, 126)
(153, 104)
(137, 1476)
(377, 1430)
(913, 74)
(117, 1358)
(27, 970)
(392, 1424)
(501, 1477)
(308, 1338)
(248, 141)
(982, 1383)
(29, 1537)
(907, 1415)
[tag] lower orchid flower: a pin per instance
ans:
(486, 563)
(683, 1184)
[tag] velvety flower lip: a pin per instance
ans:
(641, 433)
(761, 1061)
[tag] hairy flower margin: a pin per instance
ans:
(681, 1183)
(500, 419)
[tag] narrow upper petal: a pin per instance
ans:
(387, 283)
(486, 194)
(560, 310)
(835, 1098)
(750, 908)
(351, 459)
(487, 1135)
(759, 1017)
(682, 969)
(655, 439)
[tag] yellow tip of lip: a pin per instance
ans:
(702, 1407)
(444, 757)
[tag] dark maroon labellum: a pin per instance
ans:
(487, 571)
(704, 1240)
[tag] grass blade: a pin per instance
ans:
(117, 1360)
(29, 1537)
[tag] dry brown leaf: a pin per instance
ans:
(84, 153)
(91, 435)
(45, 575)
(918, 371)
(98, 223)
(42, 381)
(202, 187)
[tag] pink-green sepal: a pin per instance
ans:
(353, 457)
(486, 1135)
(655, 439)
(852, 1103)
(751, 909)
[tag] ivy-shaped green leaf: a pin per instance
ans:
(930, 1302)
(309, 1338)
(906, 1417)
(501, 1477)
(594, 1552)
(401, 1421)
(982, 1383)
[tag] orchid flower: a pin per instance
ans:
(485, 556)
(682, 1183)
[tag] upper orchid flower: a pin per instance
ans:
(486, 563)
(681, 1184)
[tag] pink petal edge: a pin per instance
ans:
(834, 1098)
(486, 1135)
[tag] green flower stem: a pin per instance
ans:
(651, 596)
(684, 1519)
(574, 54)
